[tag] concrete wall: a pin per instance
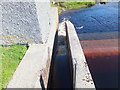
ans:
(33, 70)
(81, 75)
(25, 22)
(30, 22)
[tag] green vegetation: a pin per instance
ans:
(67, 6)
(10, 59)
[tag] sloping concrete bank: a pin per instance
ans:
(33, 70)
(80, 72)
(25, 21)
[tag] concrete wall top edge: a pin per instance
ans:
(81, 68)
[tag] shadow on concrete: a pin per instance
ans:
(42, 83)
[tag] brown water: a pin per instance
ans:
(104, 70)
(102, 59)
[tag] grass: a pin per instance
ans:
(10, 58)
(76, 4)
(67, 6)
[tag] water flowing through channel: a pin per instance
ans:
(60, 68)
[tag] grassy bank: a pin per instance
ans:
(68, 6)
(10, 59)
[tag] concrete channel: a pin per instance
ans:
(69, 68)
(60, 75)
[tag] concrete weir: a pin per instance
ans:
(36, 69)
(45, 74)
(69, 68)
(71, 64)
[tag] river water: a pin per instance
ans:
(100, 18)
(97, 29)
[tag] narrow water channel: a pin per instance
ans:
(60, 69)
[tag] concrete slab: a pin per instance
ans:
(29, 69)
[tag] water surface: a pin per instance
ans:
(97, 29)
(100, 18)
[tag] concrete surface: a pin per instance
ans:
(25, 22)
(50, 43)
(29, 69)
(34, 68)
(83, 75)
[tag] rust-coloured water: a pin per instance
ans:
(102, 59)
